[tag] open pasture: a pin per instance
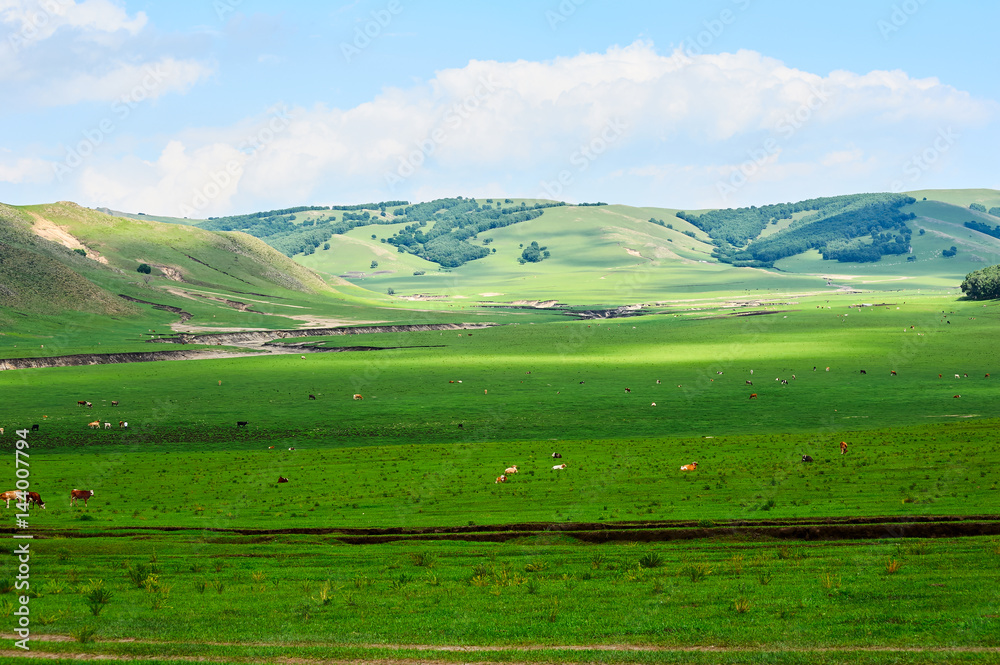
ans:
(445, 412)
(560, 380)
(441, 420)
(201, 594)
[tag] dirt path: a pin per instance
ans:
(504, 652)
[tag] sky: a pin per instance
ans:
(217, 107)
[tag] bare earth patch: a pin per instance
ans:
(51, 231)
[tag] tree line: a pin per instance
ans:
(855, 227)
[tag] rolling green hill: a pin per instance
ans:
(382, 261)
(71, 271)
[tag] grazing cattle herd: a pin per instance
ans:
(33, 498)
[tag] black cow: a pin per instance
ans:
(556, 456)
(242, 423)
(806, 458)
(312, 397)
(34, 428)
(863, 372)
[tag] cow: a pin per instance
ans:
(94, 425)
(122, 424)
(501, 479)
(303, 357)
(807, 458)
(749, 383)
(114, 402)
(89, 405)
(12, 495)
(957, 376)
(657, 382)
(282, 479)
(628, 390)
(510, 470)
(653, 404)
(690, 467)
(76, 495)
(985, 377)
(556, 456)
(81, 402)
(892, 372)
(36, 499)
(242, 423)
(965, 375)
(357, 397)
(863, 372)
(559, 467)
(1, 430)
(843, 447)
(753, 395)
(34, 428)
(956, 396)
(312, 397)
(107, 425)
(784, 382)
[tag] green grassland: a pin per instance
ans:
(446, 411)
(519, 391)
(218, 594)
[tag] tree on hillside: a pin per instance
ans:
(144, 269)
(983, 284)
(978, 207)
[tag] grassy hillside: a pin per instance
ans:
(219, 280)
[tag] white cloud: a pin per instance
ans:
(123, 82)
(522, 122)
(25, 170)
(61, 52)
(37, 20)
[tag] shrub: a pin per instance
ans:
(144, 269)
(651, 560)
(698, 571)
(741, 605)
(80, 252)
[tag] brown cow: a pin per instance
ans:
(80, 494)
(356, 396)
(282, 479)
(114, 402)
(843, 447)
(94, 425)
(690, 467)
(12, 495)
(31, 498)
(501, 479)
(753, 395)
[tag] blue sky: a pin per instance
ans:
(226, 106)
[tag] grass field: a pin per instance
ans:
(200, 553)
